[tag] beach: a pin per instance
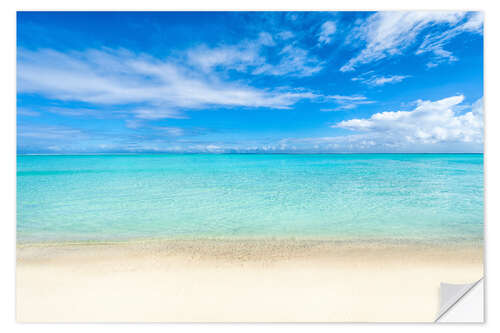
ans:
(239, 280)
(199, 166)
(245, 238)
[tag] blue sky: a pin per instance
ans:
(111, 82)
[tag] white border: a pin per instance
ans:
(8, 151)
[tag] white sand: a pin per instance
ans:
(238, 281)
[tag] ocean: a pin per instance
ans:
(397, 197)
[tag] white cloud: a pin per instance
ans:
(429, 123)
(441, 126)
(213, 148)
(119, 77)
(390, 33)
(346, 102)
(327, 30)
(375, 80)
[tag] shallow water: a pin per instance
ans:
(436, 197)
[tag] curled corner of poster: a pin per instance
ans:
(461, 303)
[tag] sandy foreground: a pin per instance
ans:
(238, 281)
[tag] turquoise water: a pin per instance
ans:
(379, 196)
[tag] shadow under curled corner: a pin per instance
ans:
(461, 303)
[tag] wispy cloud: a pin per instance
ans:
(294, 61)
(327, 30)
(134, 123)
(247, 56)
(434, 43)
(172, 131)
(238, 57)
(285, 35)
(119, 77)
(380, 80)
(346, 102)
(27, 112)
(154, 114)
(387, 34)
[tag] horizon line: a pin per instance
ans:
(248, 153)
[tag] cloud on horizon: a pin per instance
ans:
(431, 122)
(433, 126)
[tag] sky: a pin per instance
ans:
(249, 82)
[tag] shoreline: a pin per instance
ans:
(238, 281)
(439, 242)
(258, 249)
(263, 246)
